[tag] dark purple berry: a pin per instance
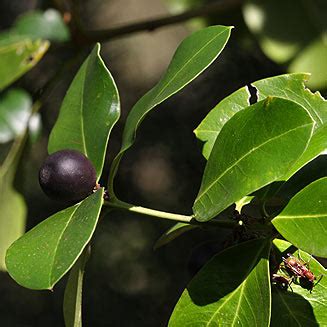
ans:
(67, 175)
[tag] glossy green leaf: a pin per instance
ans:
(300, 307)
(73, 292)
(292, 35)
(254, 148)
(303, 221)
(15, 111)
(18, 54)
(232, 289)
(89, 111)
(291, 87)
(40, 258)
(172, 233)
(47, 25)
(191, 58)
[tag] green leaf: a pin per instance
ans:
(18, 54)
(254, 148)
(243, 202)
(89, 111)
(290, 87)
(40, 258)
(191, 58)
(12, 215)
(73, 292)
(172, 233)
(15, 111)
(313, 59)
(300, 307)
(42, 25)
(232, 289)
(12, 204)
(292, 35)
(303, 222)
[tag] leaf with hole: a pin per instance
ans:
(303, 221)
(290, 87)
(41, 257)
(89, 111)
(232, 289)
(255, 147)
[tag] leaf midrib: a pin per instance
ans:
(153, 102)
(82, 112)
(301, 216)
(58, 242)
(241, 287)
(246, 155)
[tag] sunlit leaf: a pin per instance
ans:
(304, 220)
(299, 307)
(313, 59)
(232, 289)
(40, 258)
(89, 111)
(289, 87)
(254, 148)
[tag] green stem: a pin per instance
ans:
(115, 203)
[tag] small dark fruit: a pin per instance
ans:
(67, 175)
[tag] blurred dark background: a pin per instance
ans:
(127, 282)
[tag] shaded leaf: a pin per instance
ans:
(172, 233)
(12, 215)
(231, 289)
(40, 258)
(89, 111)
(254, 148)
(191, 58)
(13, 208)
(303, 221)
(15, 111)
(73, 292)
(289, 87)
(47, 25)
(18, 54)
(300, 307)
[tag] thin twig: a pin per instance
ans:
(152, 24)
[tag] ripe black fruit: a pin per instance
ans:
(67, 175)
